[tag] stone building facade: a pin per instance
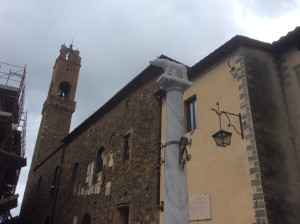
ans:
(104, 171)
(108, 169)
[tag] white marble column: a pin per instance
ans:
(175, 193)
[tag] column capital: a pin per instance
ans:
(168, 82)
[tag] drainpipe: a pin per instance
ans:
(159, 95)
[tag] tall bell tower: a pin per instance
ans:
(59, 105)
(39, 198)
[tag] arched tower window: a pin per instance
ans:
(75, 172)
(86, 219)
(64, 90)
(54, 181)
(100, 157)
(39, 185)
(67, 55)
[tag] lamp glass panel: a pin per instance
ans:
(222, 138)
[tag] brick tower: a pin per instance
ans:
(55, 124)
(59, 105)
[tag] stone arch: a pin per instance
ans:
(64, 90)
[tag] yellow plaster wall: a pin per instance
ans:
(221, 172)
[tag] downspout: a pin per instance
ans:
(58, 181)
(159, 95)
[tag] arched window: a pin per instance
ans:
(54, 181)
(86, 219)
(64, 89)
(100, 157)
(75, 172)
(39, 185)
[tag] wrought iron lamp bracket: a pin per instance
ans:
(230, 124)
(219, 113)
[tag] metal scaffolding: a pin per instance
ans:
(13, 122)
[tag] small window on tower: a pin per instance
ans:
(54, 181)
(75, 172)
(64, 89)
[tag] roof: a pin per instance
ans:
(241, 41)
(146, 75)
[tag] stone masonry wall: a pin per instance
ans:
(38, 205)
(132, 183)
(242, 78)
(272, 142)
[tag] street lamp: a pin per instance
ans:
(222, 138)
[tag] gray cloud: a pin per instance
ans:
(269, 8)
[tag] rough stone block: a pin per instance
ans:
(239, 60)
(241, 77)
(260, 212)
(254, 170)
(251, 135)
(250, 147)
(252, 158)
(257, 196)
(255, 182)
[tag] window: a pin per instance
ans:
(126, 151)
(39, 185)
(54, 181)
(122, 215)
(191, 114)
(100, 157)
(64, 89)
(75, 172)
(86, 219)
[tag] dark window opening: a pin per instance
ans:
(191, 114)
(122, 215)
(126, 152)
(54, 181)
(100, 157)
(38, 188)
(86, 219)
(64, 89)
(75, 172)
(48, 220)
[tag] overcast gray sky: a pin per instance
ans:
(117, 38)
